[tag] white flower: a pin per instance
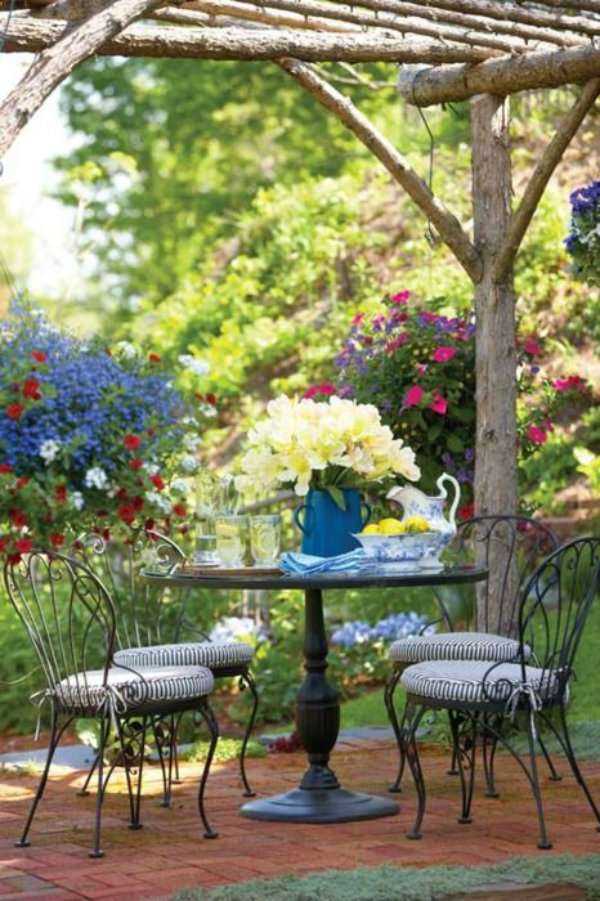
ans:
(76, 500)
(96, 478)
(189, 463)
(49, 450)
(180, 486)
(126, 350)
(151, 468)
(208, 410)
(192, 442)
(195, 365)
(159, 500)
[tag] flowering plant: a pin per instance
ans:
(419, 368)
(324, 445)
(89, 438)
(583, 240)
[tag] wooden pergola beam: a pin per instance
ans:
(212, 14)
(70, 47)
(542, 173)
(445, 222)
(423, 86)
(31, 34)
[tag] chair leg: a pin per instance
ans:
(464, 741)
(135, 823)
(55, 737)
(388, 697)
(96, 850)
(453, 769)
(163, 737)
(209, 718)
(247, 680)
(411, 719)
(544, 843)
(554, 775)
(489, 746)
(575, 765)
(83, 791)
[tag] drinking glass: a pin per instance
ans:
(230, 531)
(208, 504)
(265, 539)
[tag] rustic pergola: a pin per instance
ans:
(447, 50)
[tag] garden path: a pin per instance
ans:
(168, 854)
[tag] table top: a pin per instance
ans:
(449, 575)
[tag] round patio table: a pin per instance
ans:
(319, 797)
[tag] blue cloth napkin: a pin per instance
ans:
(307, 565)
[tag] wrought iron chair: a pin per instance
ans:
(70, 619)
(481, 697)
(510, 547)
(151, 629)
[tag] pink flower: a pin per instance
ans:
(401, 297)
(356, 320)
(537, 434)
(439, 404)
(393, 345)
(325, 389)
(569, 384)
(413, 396)
(444, 354)
(421, 368)
(532, 347)
(426, 316)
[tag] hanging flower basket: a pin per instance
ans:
(583, 240)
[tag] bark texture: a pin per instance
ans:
(496, 440)
(423, 86)
(53, 65)
(447, 225)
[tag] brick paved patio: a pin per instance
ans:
(169, 853)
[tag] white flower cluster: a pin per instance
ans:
(189, 463)
(298, 438)
(126, 350)
(49, 450)
(76, 500)
(180, 486)
(96, 478)
(195, 365)
(192, 442)
(159, 500)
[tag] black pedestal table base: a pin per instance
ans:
(319, 799)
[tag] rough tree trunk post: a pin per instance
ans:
(496, 441)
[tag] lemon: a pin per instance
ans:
(416, 524)
(391, 527)
(371, 529)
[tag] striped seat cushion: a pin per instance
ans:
(455, 646)
(214, 655)
(125, 689)
(464, 682)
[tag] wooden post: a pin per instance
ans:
(496, 441)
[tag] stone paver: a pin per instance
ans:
(169, 852)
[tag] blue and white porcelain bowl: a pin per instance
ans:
(402, 553)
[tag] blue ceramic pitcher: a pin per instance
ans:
(326, 529)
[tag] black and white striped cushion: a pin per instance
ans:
(127, 689)
(214, 655)
(464, 682)
(455, 646)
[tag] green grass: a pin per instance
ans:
(408, 883)
(227, 749)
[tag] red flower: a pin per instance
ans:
(126, 513)
(572, 382)
(137, 503)
(537, 434)
(211, 399)
(136, 463)
(23, 545)
(60, 493)
(532, 347)
(326, 389)
(367, 340)
(31, 389)
(14, 411)
(444, 354)
(413, 396)
(439, 404)
(20, 483)
(18, 519)
(467, 511)
(397, 342)
(179, 510)
(157, 482)
(5, 468)
(39, 356)
(401, 297)
(132, 442)
(154, 358)
(3, 544)
(149, 525)
(57, 540)
(122, 494)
